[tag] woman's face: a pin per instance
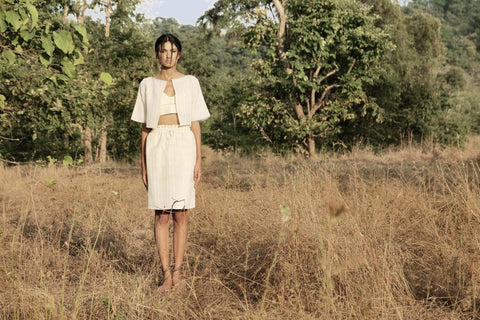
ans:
(168, 55)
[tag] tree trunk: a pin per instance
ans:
(82, 7)
(311, 147)
(88, 144)
(282, 16)
(66, 140)
(66, 10)
(102, 158)
(103, 137)
(108, 9)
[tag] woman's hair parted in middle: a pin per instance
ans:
(167, 38)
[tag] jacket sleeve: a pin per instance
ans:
(199, 108)
(140, 110)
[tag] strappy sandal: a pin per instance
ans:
(167, 284)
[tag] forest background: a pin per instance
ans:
(289, 76)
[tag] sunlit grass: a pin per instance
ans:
(351, 236)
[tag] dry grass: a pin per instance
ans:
(356, 236)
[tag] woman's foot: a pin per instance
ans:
(167, 284)
(177, 281)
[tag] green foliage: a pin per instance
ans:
(311, 77)
(345, 71)
(39, 54)
(116, 65)
(459, 32)
(107, 78)
(67, 161)
(59, 44)
(413, 99)
(50, 182)
(61, 86)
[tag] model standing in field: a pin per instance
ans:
(170, 106)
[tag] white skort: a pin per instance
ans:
(170, 158)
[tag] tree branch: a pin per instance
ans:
(9, 139)
(265, 136)
(299, 110)
(351, 66)
(316, 106)
(312, 100)
(331, 73)
(315, 75)
(8, 161)
(321, 100)
(311, 103)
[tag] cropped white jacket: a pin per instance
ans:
(191, 105)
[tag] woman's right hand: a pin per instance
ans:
(144, 179)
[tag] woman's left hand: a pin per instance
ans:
(197, 173)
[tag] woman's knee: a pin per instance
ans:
(161, 218)
(180, 217)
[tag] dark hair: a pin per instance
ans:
(167, 38)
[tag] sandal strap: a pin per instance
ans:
(167, 270)
(177, 268)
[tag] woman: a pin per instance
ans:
(170, 106)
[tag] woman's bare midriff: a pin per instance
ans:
(168, 119)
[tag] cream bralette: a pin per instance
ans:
(167, 104)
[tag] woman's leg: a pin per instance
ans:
(180, 219)
(161, 239)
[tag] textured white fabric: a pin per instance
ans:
(191, 105)
(170, 159)
(167, 104)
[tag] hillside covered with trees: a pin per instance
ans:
(285, 75)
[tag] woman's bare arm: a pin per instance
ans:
(145, 132)
(197, 133)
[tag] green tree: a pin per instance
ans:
(39, 54)
(407, 91)
(315, 58)
(460, 27)
(226, 91)
(57, 98)
(127, 55)
(115, 48)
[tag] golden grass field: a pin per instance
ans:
(393, 235)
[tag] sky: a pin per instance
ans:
(184, 11)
